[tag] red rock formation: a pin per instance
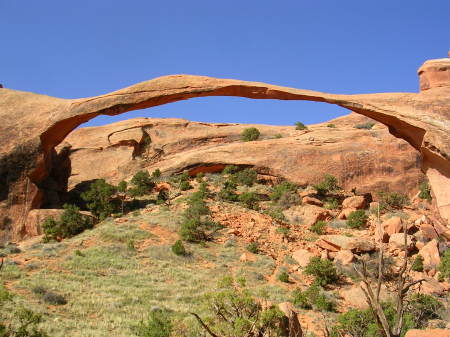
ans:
(32, 125)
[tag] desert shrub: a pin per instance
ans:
(418, 263)
(366, 126)
(331, 203)
(230, 169)
(198, 230)
(288, 200)
(300, 299)
(157, 324)
(53, 298)
(245, 177)
(357, 219)
(25, 323)
(319, 227)
(278, 136)
(71, 223)
(98, 198)
(178, 248)
(276, 213)
(281, 189)
(185, 185)
(228, 191)
(392, 200)
(300, 126)
(250, 134)
(162, 197)
(328, 184)
(331, 125)
(240, 312)
(425, 191)
(283, 230)
(313, 297)
(199, 177)
(142, 184)
(323, 271)
(283, 277)
(253, 247)
(422, 308)
(156, 173)
(444, 266)
(249, 200)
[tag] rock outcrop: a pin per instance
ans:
(33, 125)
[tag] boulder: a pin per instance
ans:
(309, 214)
(291, 326)
(428, 231)
(302, 257)
(344, 257)
(430, 254)
(393, 225)
(345, 213)
(312, 201)
(357, 202)
(397, 241)
(36, 218)
(354, 296)
(342, 242)
(428, 333)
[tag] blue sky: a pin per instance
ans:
(84, 48)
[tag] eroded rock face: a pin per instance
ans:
(33, 125)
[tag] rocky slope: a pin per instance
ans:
(28, 156)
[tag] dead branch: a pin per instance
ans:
(203, 324)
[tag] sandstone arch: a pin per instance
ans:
(32, 125)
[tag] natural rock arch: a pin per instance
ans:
(32, 125)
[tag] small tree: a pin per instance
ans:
(245, 177)
(425, 191)
(324, 271)
(142, 184)
(357, 219)
(178, 248)
(328, 184)
(249, 200)
(122, 189)
(250, 134)
(99, 198)
(300, 126)
(157, 324)
(156, 173)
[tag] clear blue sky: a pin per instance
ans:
(84, 48)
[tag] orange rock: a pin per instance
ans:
(357, 202)
(312, 201)
(430, 254)
(393, 225)
(247, 257)
(428, 333)
(344, 257)
(345, 213)
(302, 257)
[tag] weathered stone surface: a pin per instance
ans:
(302, 257)
(354, 297)
(33, 125)
(345, 213)
(308, 214)
(428, 333)
(430, 254)
(292, 327)
(36, 218)
(312, 201)
(342, 242)
(247, 257)
(344, 257)
(397, 241)
(393, 225)
(357, 201)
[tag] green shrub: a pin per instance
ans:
(278, 136)
(423, 308)
(156, 173)
(276, 213)
(98, 198)
(283, 277)
(425, 191)
(54, 298)
(249, 200)
(300, 299)
(332, 126)
(25, 323)
(199, 177)
(245, 177)
(319, 227)
(283, 230)
(228, 191)
(313, 297)
(162, 197)
(142, 183)
(178, 248)
(418, 263)
(366, 126)
(328, 184)
(230, 169)
(281, 189)
(250, 134)
(253, 247)
(157, 324)
(323, 271)
(71, 223)
(300, 126)
(392, 200)
(185, 185)
(357, 219)
(444, 266)
(331, 203)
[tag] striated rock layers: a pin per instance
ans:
(33, 125)
(368, 159)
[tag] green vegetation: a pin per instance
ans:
(331, 125)
(228, 191)
(230, 169)
(239, 313)
(418, 263)
(312, 298)
(319, 227)
(279, 190)
(157, 324)
(444, 266)
(98, 198)
(250, 134)
(185, 185)
(331, 203)
(156, 173)
(249, 200)
(419, 310)
(392, 200)
(366, 126)
(323, 270)
(278, 136)
(276, 213)
(71, 223)
(142, 184)
(327, 185)
(425, 191)
(253, 247)
(300, 126)
(245, 177)
(357, 219)
(178, 248)
(283, 277)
